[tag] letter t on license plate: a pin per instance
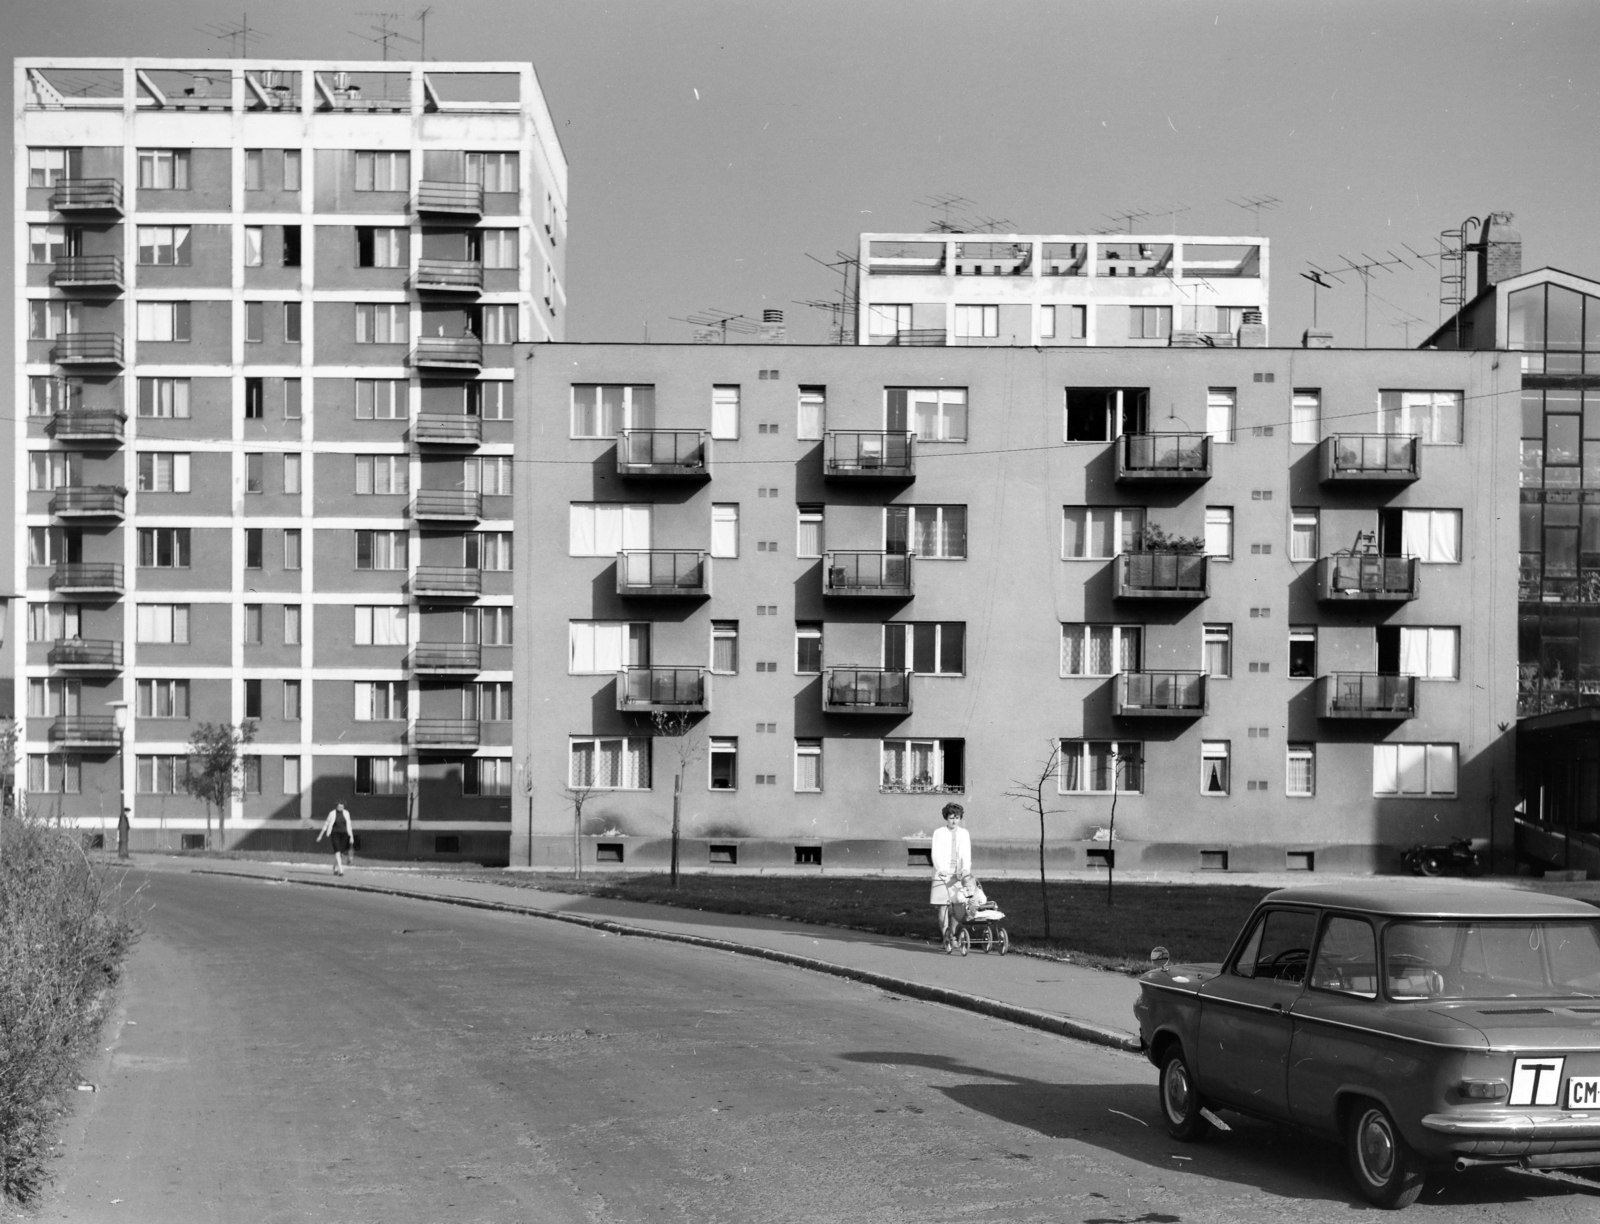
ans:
(1536, 1081)
(1583, 1092)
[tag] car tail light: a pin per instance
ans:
(1483, 1090)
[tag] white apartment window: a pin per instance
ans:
(255, 472)
(55, 774)
(1095, 532)
(928, 531)
(1221, 405)
(54, 470)
(1432, 536)
(494, 551)
(1431, 652)
(382, 473)
(808, 531)
(1414, 770)
(47, 546)
(49, 319)
(46, 243)
(163, 699)
(486, 776)
(1300, 775)
(54, 622)
(291, 473)
(808, 765)
(1217, 651)
(724, 763)
(930, 648)
(48, 396)
(725, 412)
(163, 322)
(252, 169)
(888, 319)
(380, 324)
(725, 529)
(250, 770)
(500, 324)
(977, 322)
(163, 548)
(493, 625)
(1214, 760)
(254, 312)
(164, 398)
(1305, 416)
(490, 474)
(383, 171)
(599, 763)
(163, 472)
(381, 399)
(291, 624)
(254, 241)
(1101, 766)
(252, 624)
(499, 248)
(380, 700)
(1303, 531)
(291, 169)
(54, 698)
(812, 413)
(1149, 322)
(162, 624)
(380, 775)
(934, 414)
(1219, 531)
(164, 169)
(381, 550)
(1100, 650)
(495, 399)
(922, 766)
(1047, 322)
(725, 647)
(808, 648)
(605, 410)
(168, 245)
(47, 167)
(162, 775)
(380, 246)
(496, 171)
(291, 775)
(1433, 416)
(291, 701)
(380, 625)
(603, 529)
(598, 648)
(1079, 323)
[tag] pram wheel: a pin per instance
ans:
(1005, 941)
(964, 941)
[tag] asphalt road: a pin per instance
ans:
(294, 1054)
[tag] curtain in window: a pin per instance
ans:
(1413, 651)
(1071, 766)
(1444, 536)
(1072, 650)
(811, 416)
(1442, 769)
(1099, 652)
(1129, 652)
(1413, 768)
(807, 770)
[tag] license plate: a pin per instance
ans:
(1536, 1081)
(1583, 1092)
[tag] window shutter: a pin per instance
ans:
(180, 320)
(895, 419)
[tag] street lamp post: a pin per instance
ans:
(119, 711)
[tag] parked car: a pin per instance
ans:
(1425, 1026)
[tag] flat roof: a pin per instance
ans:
(1416, 898)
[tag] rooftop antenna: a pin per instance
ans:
(1315, 277)
(848, 267)
(1126, 216)
(992, 225)
(238, 36)
(1364, 270)
(422, 20)
(1256, 205)
(382, 34)
(1172, 211)
(723, 320)
(943, 202)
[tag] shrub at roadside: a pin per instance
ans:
(64, 929)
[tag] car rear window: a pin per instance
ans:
(1492, 960)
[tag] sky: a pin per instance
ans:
(714, 145)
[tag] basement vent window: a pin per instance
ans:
(808, 856)
(191, 841)
(448, 843)
(1269, 376)
(608, 852)
(1213, 860)
(1300, 860)
(724, 854)
(1100, 858)
(919, 856)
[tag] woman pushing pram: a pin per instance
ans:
(964, 912)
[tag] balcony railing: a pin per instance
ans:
(1368, 695)
(87, 272)
(447, 429)
(448, 352)
(440, 657)
(87, 195)
(448, 276)
(866, 690)
(914, 337)
(85, 731)
(86, 654)
(447, 504)
(446, 733)
(448, 580)
(457, 199)
(1178, 457)
(658, 571)
(88, 425)
(664, 452)
(1368, 578)
(88, 501)
(1387, 458)
(871, 574)
(873, 454)
(87, 577)
(87, 348)
(1161, 694)
(1163, 575)
(643, 689)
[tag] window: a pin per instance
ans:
(1300, 777)
(977, 322)
(163, 472)
(380, 324)
(1434, 416)
(162, 775)
(49, 319)
(252, 624)
(486, 777)
(165, 246)
(1305, 416)
(597, 763)
(1302, 652)
(291, 702)
(807, 648)
(291, 248)
(380, 247)
(923, 766)
(928, 531)
(164, 398)
(1219, 532)
(54, 698)
(488, 701)
(252, 699)
(494, 399)
(1149, 322)
(253, 315)
(252, 169)
(603, 411)
(380, 775)
(724, 763)
(500, 324)
(48, 396)
(254, 241)
(47, 167)
(46, 243)
(933, 414)
(489, 474)
(54, 622)
(291, 624)
(162, 322)
(494, 550)
(808, 765)
(725, 529)
(598, 648)
(932, 648)
(255, 399)
(162, 624)
(381, 550)
(291, 169)
(54, 470)
(49, 545)
(291, 773)
(1217, 651)
(383, 171)
(1432, 653)
(725, 647)
(291, 474)
(1414, 769)
(1214, 756)
(380, 625)
(1098, 766)
(495, 171)
(1220, 408)
(164, 169)
(57, 774)
(1047, 322)
(164, 547)
(382, 399)
(1432, 536)
(255, 472)
(812, 413)
(808, 531)
(492, 625)
(499, 248)
(162, 699)
(1278, 944)
(725, 412)
(291, 335)
(382, 474)
(602, 529)
(380, 700)
(1303, 525)
(1100, 650)
(1096, 532)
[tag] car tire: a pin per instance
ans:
(1432, 865)
(1180, 1100)
(1386, 1171)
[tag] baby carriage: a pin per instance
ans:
(976, 920)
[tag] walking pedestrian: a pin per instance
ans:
(337, 828)
(952, 863)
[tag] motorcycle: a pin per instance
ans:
(1458, 858)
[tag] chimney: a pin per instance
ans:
(1499, 251)
(1252, 331)
(772, 329)
(1317, 337)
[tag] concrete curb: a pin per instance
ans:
(1061, 1026)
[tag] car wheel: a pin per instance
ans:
(1431, 865)
(1386, 1171)
(1180, 1100)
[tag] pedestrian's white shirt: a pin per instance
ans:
(952, 852)
(329, 824)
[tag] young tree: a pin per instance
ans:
(578, 796)
(677, 727)
(1030, 791)
(216, 767)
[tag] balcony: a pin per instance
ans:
(1371, 459)
(447, 505)
(450, 199)
(87, 196)
(445, 734)
(669, 453)
(1181, 458)
(1368, 695)
(448, 353)
(87, 578)
(446, 658)
(86, 731)
(879, 575)
(1163, 575)
(682, 690)
(86, 654)
(88, 501)
(447, 429)
(1161, 694)
(914, 337)
(1368, 578)
(89, 425)
(663, 572)
(447, 581)
(866, 690)
(102, 272)
(448, 276)
(869, 455)
(87, 349)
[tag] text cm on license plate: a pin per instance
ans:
(1583, 1092)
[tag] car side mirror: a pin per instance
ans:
(1159, 957)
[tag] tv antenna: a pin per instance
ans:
(844, 309)
(992, 225)
(1173, 211)
(1126, 216)
(944, 202)
(381, 33)
(237, 36)
(1364, 270)
(422, 20)
(1256, 205)
(724, 321)
(1315, 277)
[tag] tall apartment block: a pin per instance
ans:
(1247, 605)
(265, 328)
(1068, 290)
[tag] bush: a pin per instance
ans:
(64, 929)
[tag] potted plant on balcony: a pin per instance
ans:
(1157, 559)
